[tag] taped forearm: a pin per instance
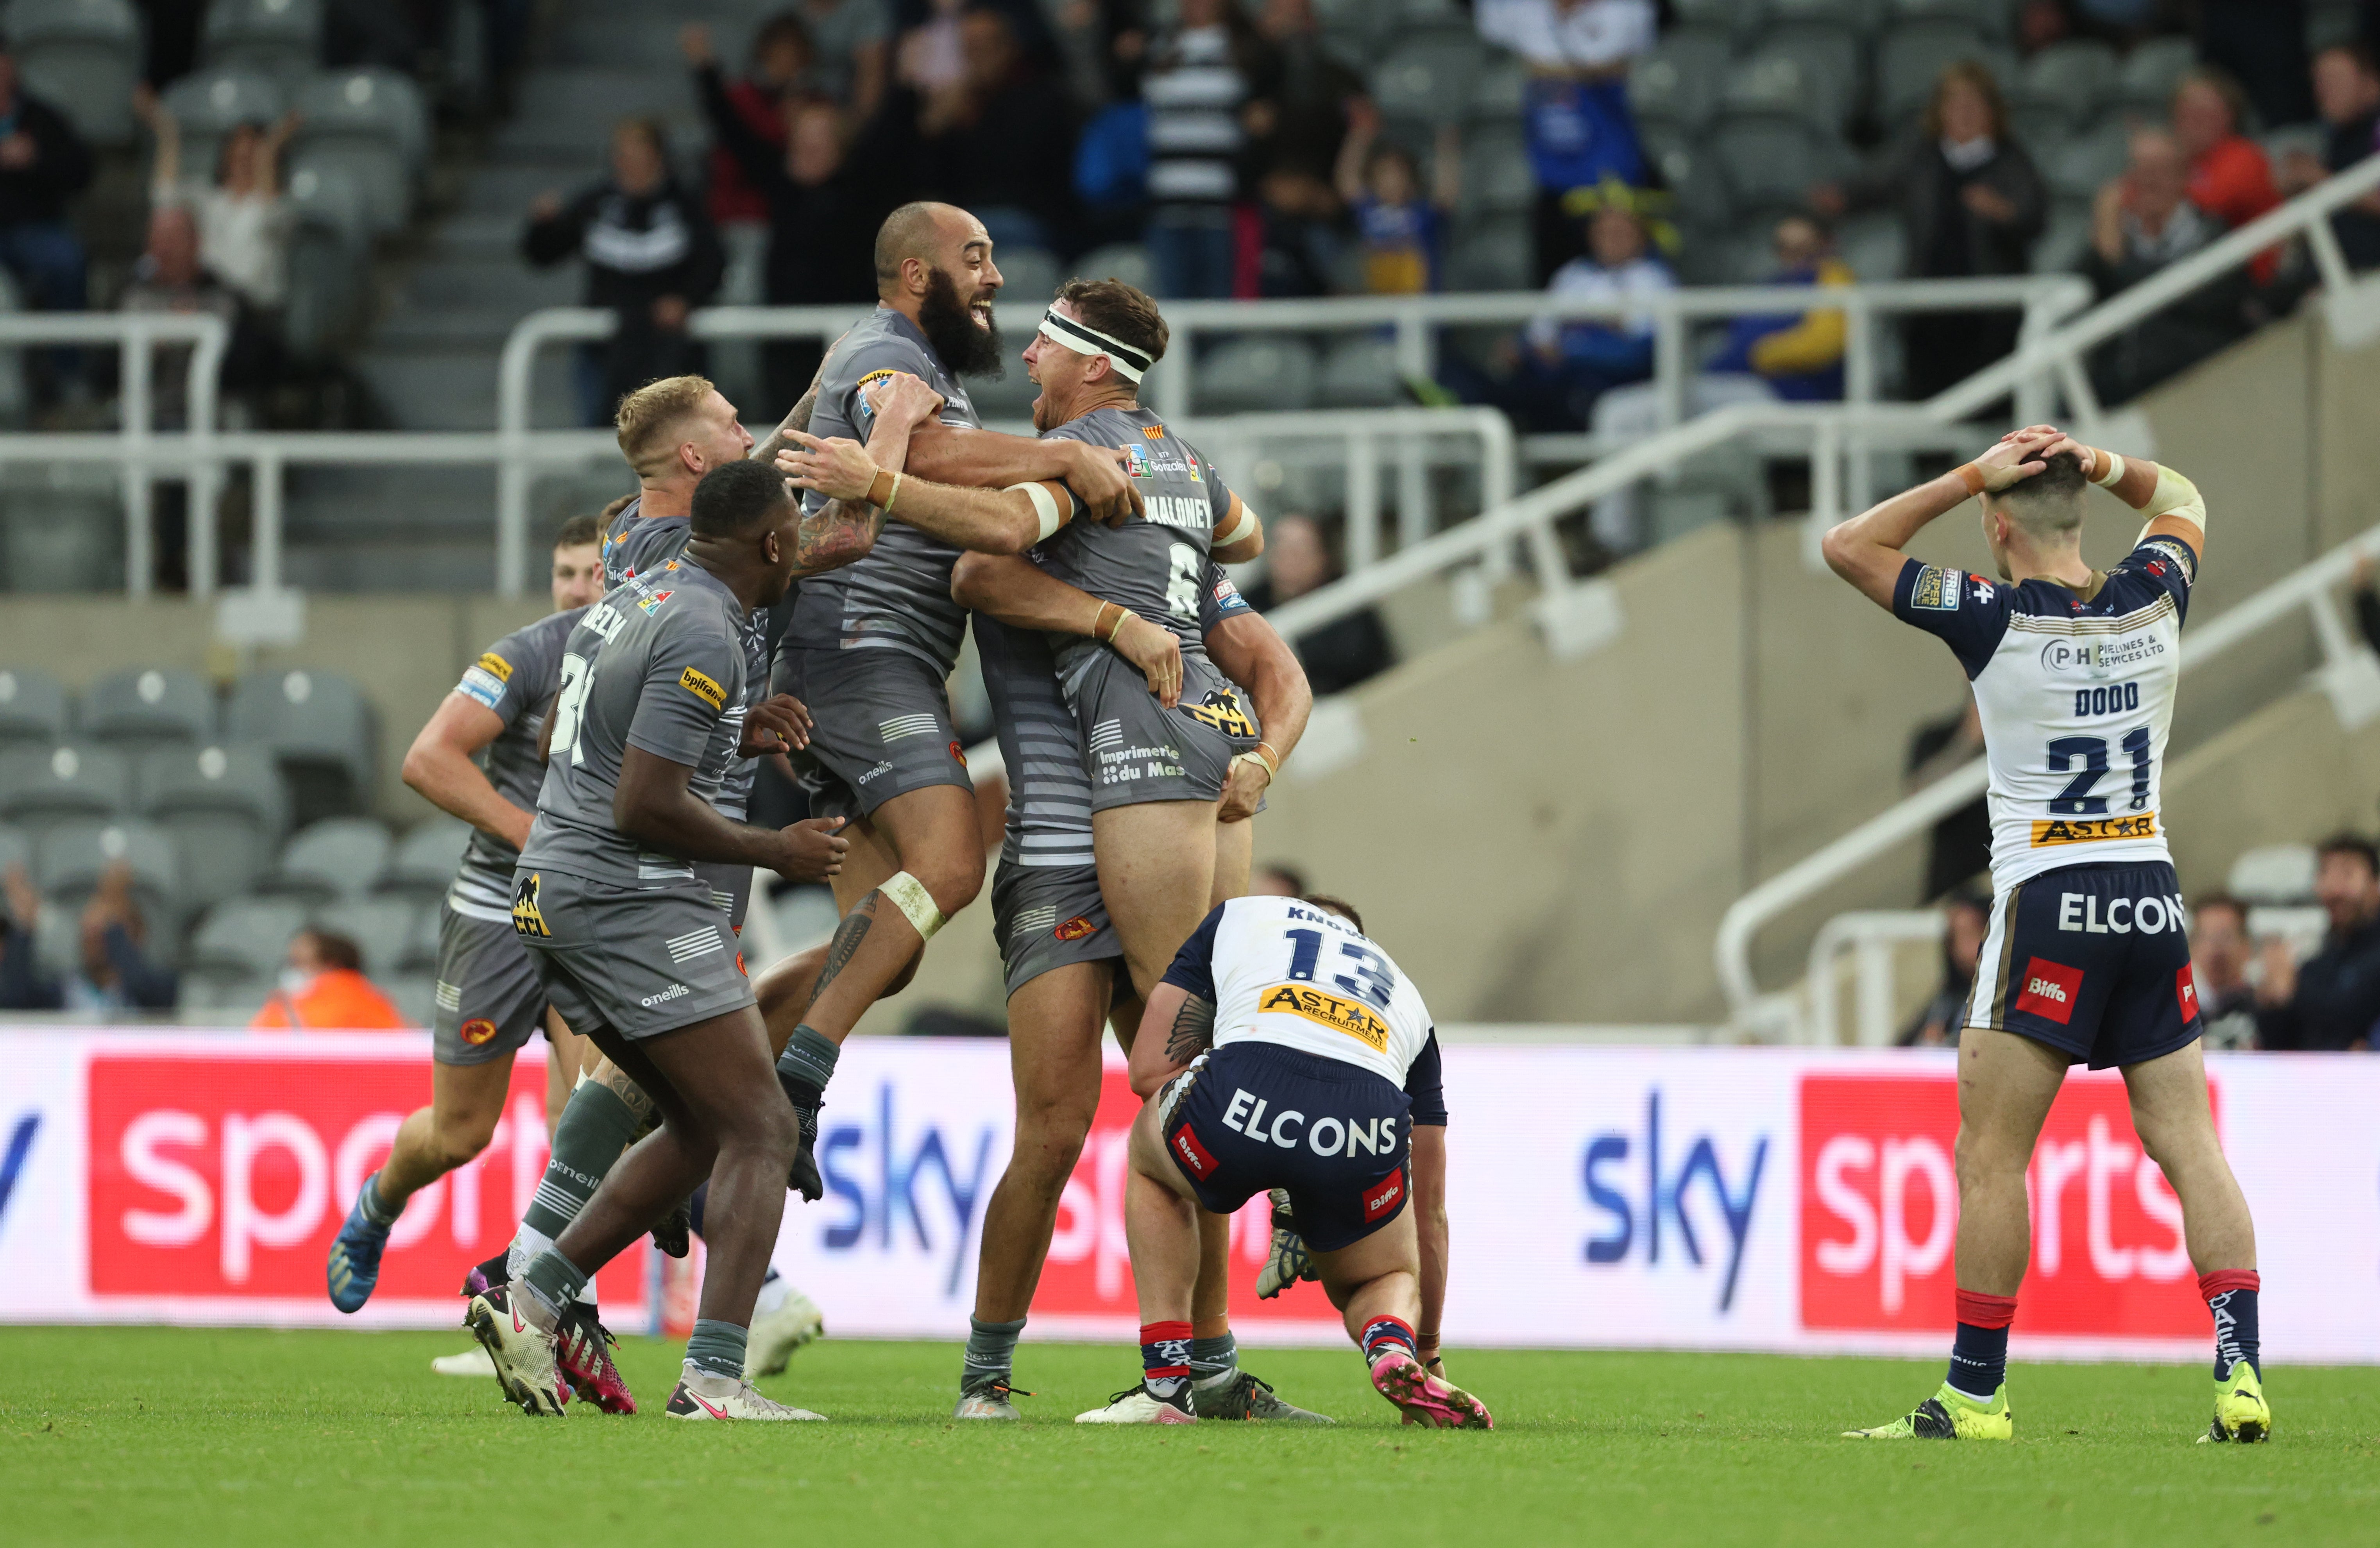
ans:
(2171, 494)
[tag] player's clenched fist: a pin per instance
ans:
(812, 853)
(779, 724)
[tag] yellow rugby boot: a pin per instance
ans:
(2240, 1412)
(1948, 1415)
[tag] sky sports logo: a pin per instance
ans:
(12, 1163)
(1641, 1186)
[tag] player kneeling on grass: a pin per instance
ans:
(1284, 1050)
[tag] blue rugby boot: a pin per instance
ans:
(354, 1267)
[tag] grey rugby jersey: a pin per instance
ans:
(516, 677)
(899, 596)
(657, 666)
(1049, 795)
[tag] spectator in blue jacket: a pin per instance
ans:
(1798, 354)
(115, 971)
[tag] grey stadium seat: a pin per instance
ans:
(281, 38)
(1496, 177)
(147, 704)
(44, 784)
(1854, 16)
(15, 849)
(1692, 174)
(1125, 260)
(2065, 242)
(1030, 275)
(2076, 169)
(246, 936)
(72, 857)
(227, 808)
(340, 857)
(2069, 81)
(423, 863)
(1793, 81)
(1428, 75)
(1501, 91)
(2152, 70)
(82, 57)
(1250, 376)
(210, 104)
(1987, 17)
(32, 706)
(1678, 80)
(1493, 254)
(1735, 16)
(415, 997)
(330, 242)
(1876, 246)
(381, 929)
(368, 123)
(62, 528)
(1770, 163)
(318, 726)
(1913, 57)
(1359, 373)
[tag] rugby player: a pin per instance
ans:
(1059, 954)
(488, 999)
(1284, 1050)
(2086, 959)
(633, 949)
(871, 647)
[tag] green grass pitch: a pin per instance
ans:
(190, 1437)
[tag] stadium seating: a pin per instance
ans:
(279, 38)
(61, 528)
(147, 704)
(211, 103)
(1496, 179)
(226, 808)
(1679, 81)
(381, 929)
(82, 57)
(1358, 373)
(49, 783)
(244, 938)
(2280, 875)
(337, 858)
(16, 849)
(1125, 260)
(372, 125)
(32, 707)
(1428, 75)
(1267, 371)
(318, 727)
(71, 857)
(330, 239)
(2065, 85)
(421, 954)
(423, 863)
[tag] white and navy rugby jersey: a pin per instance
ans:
(1282, 970)
(2077, 698)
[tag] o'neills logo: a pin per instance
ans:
(1351, 1016)
(2093, 830)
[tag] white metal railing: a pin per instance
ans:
(1872, 936)
(2350, 675)
(136, 336)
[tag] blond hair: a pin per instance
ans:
(648, 419)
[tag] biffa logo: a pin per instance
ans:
(1663, 1197)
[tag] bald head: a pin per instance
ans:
(931, 234)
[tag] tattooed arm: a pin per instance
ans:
(843, 531)
(1176, 1028)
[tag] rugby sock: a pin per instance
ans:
(1979, 1353)
(527, 1245)
(1214, 1356)
(2231, 1297)
(1164, 1357)
(805, 1065)
(554, 1278)
(596, 1126)
(716, 1349)
(1384, 1333)
(376, 1209)
(991, 1352)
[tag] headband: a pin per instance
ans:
(1129, 362)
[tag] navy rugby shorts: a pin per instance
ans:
(2092, 960)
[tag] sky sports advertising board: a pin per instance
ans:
(1690, 1198)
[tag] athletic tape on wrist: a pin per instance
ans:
(1240, 528)
(1045, 508)
(2113, 473)
(917, 905)
(1972, 477)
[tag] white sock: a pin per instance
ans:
(527, 1244)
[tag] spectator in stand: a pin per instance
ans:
(999, 140)
(1960, 849)
(1277, 881)
(1403, 229)
(2263, 44)
(1967, 914)
(2142, 221)
(2347, 88)
(2230, 178)
(324, 989)
(44, 162)
(243, 221)
(170, 278)
(112, 971)
(1306, 102)
(781, 56)
(1970, 202)
(1797, 356)
(651, 257)
(1300, 235)
(1579, 130)
(822, 199)
(2332, 1000)
(1198, 85)
(1338, 655)
(2218, 970)
(2040, 23)
(853, 39)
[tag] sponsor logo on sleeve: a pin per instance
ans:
(1351, 1016)
(652, 601)
(496, 665)
(2172, 549)
(1936, 590)
(702, 687)
(859, 401)
(482, 686)
(477, 1031)
(2049, 989)
(2091, 830)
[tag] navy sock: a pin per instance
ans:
(2231, 1297)
(1164, 1357)
(1979, 1354)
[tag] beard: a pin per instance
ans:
(966, 348)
